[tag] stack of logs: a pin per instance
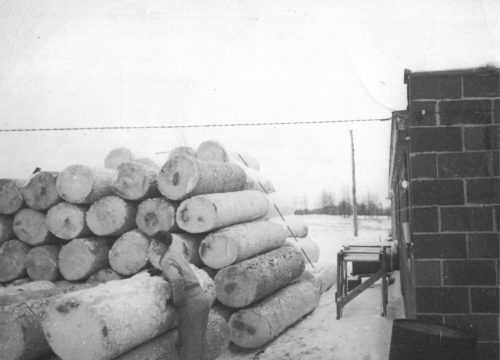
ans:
(110, 226)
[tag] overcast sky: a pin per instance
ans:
(128, 63)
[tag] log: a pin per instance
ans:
(28, 286)
(215, 151)
(281, 203)
(106, 321)
(181, 150)
(246, 282)
(156, 215)
(135, 181)
(256, 181)
(80, 184)
(40, 192)
(204, 213)
(12, 260)
(129, 254)
(305, 245)
(206, 283)
(118, 156)
(6, 230)
(164, 346)
(293, 224)
(20, 323)
(184, 176)
(264, 321)
(186, 244)
(30, 226)
(324, 273)
(111, 216)
(41, 263)
(67, 221)
(11, 195)
(235, 243)
(103, 275)
(82, 257)
(20, 281)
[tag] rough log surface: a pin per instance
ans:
(164, 346)
(185, 244)
(104, 275)
(129, 254)
(111, 216)
(246, 282)
(67, 221)
(30, 226)
(294, 224)
(257, 181)
(264, 321)
(41, 263)
(6, 230)
(110, 319)
(324, 273)
(11, 195)
(40, 192)
(235, 243)
(184, 176)
(305, 245)
(156, 215)
(208, 212)
(135, 181)
(278, 201)
(181, 150)
(82, 257)
(12, 260)
(118, 156)
(80, 184)
(29, 286)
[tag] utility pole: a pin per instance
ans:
(354, 204)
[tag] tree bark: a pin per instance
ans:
(40, 192)
(82, 257)
(164, 346)
(186, 244)
(6, 230)
(41, 263)
(118, 156)
(204, 213)
(111, 216)
(235, 243)
(135, 181)
(293, 225)
(67, 221)
(246, 282)
(103, 275)
(11, 195)
(79, 184)
(129, 254)
(184, 176)
(305, 245)
(264, 321)
(12, 260)
(156, 215)
(30, 226)
(115, 317)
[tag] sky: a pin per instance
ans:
(68, 63)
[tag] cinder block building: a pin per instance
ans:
(445, 189)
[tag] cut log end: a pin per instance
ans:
(11, 196)
(12, 260)
(134, 181)
(219, 251)
(118, 156)
(178, 177)
(40, 192)
(129, 253)
(6, 230)
(212, 151)
(82, 257)
(67, 221)
(12, 343)
(30, 226)
(75, 183)
(41, 263)
(155, 215)
(111, 216)
(197, 215)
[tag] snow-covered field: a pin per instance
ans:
(361, 333)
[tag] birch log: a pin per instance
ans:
(306, 246)
(30, 226)
(324, 273)
(257, 181)
(235, 243)
(185, 244)
(80, 184)
(204, 213)
(129, 254)
(264, 321)
(41, 263)
(214, 151)
(12, 260)
(83, 256)
(293, 224)
(156, 215)
(184, 176)
(111, 216)
(118, 156)
(279, 205)
(40, 192)
(207, 284)
(246, 282)
(11, 195)
(67, 221)
(6, 230)
(110, 319)
(104, 275)
(135, 181)
(164, 346)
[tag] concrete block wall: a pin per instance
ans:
(454, 130)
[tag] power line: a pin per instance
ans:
(99, 128)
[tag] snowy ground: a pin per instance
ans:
(362, 333)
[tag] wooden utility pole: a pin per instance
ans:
(354, 204)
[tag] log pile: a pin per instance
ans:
(110, 227)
